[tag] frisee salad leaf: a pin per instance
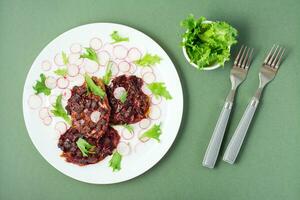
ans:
(159, 89)
(117, 38)
(91, 86)
(84, 147)
(59, 111)
(207, 43)
(61, 72)
(148, 60)
(108, 73)
(65, 58)
(91, 55)
(128, 127)
(154, 132)
(115, 161)
(123, 96)
(40, 86)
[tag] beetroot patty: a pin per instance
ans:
(137, 104)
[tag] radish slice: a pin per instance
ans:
(82, 70)
(149, 77)
(75, 48)
(142, 139)
(134, 54)
(47, 120)
(74, 59)
(66, 94)
(114, 69)
(124, 66)
(61, 127)
(78, 80)
(155, 112)
(126, 134)
(139, 147)
(108, 47)
(120, 51)
(123, 148)
(133, 68)
(145, 123)
(52, 99)
(96, 43)
(146, 90)
(90, 66)
(44, 112)
(73, 70)
(156, 100)
(50, 82)
(145, 70)
(35, 101)
(58, 60)
(104, 57)
(118, 92)
(95, 116)
(62, 82)
(46, 65)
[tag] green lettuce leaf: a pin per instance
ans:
(91, 86)
(159, 89)
(115, 161)
(108, 73)
(84, 147)
(59, 111)
(61, 72)
(40, 86)
(91, 55)
(154, 132)
(117, 38)
(148, 60)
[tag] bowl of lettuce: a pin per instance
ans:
(206, 44)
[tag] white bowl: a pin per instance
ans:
(210, 67)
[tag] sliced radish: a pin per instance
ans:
(114, 69)
(120, 51)
(108, 47)
(52, 99)
(78, 80)
(145, 70)
(50, 82)
(35, 101)
(62, 82)
(124, 66)
(73, 70)
(82, 70)
(139, 147)
(156, 100)
(146, 90)
(133, 68)
(44, 112)
(118, 92)
(96, 43)
(58, 60)
(104, 57)
(90, 66)
(75, 48)
(149, 77)
(61, 127)
(66, 94)
(145, 123)
(46, 65)
(74, 59)
(134, 54)
(126, 134)
(47, 120)
(95, 116)
(155, 112)
(124, 148)
(142, 139)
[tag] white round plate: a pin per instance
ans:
(44, 129)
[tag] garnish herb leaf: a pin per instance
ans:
(128, 127)
(92, 87)
(117, 38)
(154, 132)
(148, 60)
(123, 96)
(207, 43)
(115, 161)
(159, 89)
(84, 147)
(65, 58)
(108, 73)
(61, 72)
(59, 111)
(40, 86)
(91, 55)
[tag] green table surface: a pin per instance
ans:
(269, 163)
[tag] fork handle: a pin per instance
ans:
(214, 145)
(237, 139)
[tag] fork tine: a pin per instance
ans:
(279, 59)
(276, 57)
(249, 59)
(242, 57)
(273, 55)
(238, 56)
(269, 54)
(246, 58)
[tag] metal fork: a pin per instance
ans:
(266, 74)
(237, 76)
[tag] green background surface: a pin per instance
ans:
(268, 166)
